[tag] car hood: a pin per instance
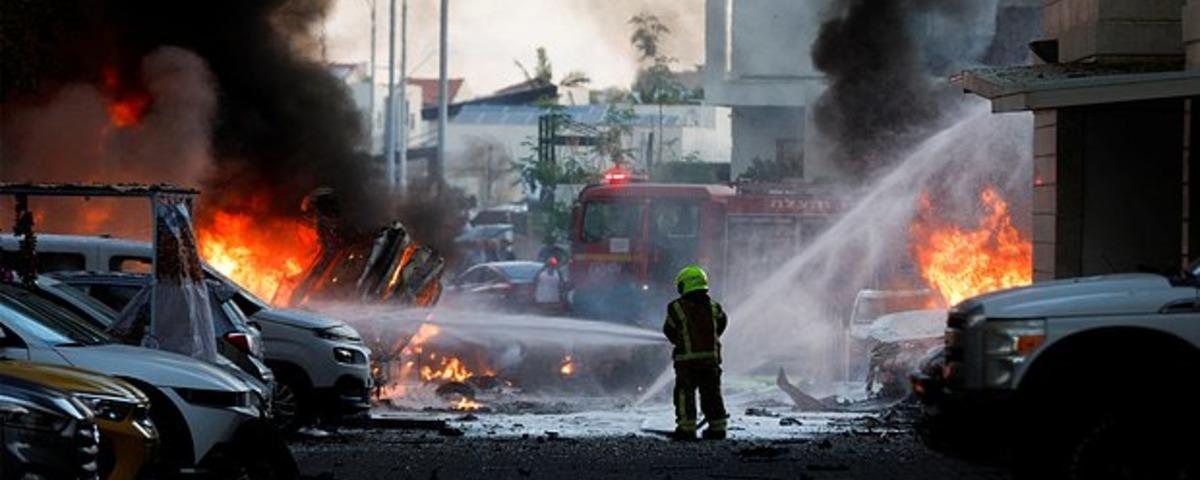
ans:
(72, 380)
(296, 318)
(156, 367)
(1099, 295)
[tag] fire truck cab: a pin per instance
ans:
(630, 239)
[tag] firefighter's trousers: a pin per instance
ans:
(704, 377)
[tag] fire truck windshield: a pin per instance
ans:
(604, 220)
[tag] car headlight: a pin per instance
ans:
(1007, 345)
(107, 407)
(349, 356)
(340, 333)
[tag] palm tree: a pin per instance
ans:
(648, 31)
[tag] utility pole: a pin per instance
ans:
(389, 123)
(371, 89)
(443, 96)
(404, 126)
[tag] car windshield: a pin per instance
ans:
(46, 320)
(78, 297)
(520, 272)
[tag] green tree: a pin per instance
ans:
(543, 70)
(648, 33)
(774, 170)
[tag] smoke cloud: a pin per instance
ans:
(236, 105)
(886, 62)
(586, 35)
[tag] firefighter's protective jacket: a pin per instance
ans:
(694, 326)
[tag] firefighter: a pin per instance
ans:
(694, 326)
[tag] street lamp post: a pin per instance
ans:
(390, 111)
(404, 126)
(443, 95)
(371, 88)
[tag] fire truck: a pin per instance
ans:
(629, 239)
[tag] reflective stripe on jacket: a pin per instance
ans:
(694, 325)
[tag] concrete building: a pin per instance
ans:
(483, 141)
(755, 63)
(1112, 93)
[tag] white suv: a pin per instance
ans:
(322, 368)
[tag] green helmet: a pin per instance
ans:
(690, 279)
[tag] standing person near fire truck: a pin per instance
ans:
(694, 325)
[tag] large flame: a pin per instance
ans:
(961, 263)
(265, 255)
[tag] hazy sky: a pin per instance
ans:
(486, 36)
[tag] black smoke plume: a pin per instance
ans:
(281, 125)
(887, 63)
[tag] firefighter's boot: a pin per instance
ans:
(716, 429)
(684, 435)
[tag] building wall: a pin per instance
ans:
(1191, 32)
(755, 52)
(761, 132)
(1114, 30)
(1110, 180)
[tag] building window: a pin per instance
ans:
(789, 152)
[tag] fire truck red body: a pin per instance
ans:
(630, 239)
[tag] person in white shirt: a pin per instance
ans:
(547, 292)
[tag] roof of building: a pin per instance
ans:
(513, 97)
(585, 114)
(429, 90)
(1062, 85)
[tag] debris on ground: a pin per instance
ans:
(790, 422)
(803, 401)
(761, 412)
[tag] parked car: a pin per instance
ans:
(503, 285)
(45, 433)
(208, 419)
(321, 365)
(1078, 378)
(237, 339)
(122, 413)
(337, 379)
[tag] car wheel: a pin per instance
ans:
(1128, 447)
(286, 406)
(290, 406)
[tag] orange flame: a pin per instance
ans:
(960, 263)
(466, 404)
(451, 369)
(568, 367)
(266, 256)
(126, 108)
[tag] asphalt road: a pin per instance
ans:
(852, 452)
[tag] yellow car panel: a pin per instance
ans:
(121, 412)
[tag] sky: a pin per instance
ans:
(487, 36)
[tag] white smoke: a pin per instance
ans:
(796, 313)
